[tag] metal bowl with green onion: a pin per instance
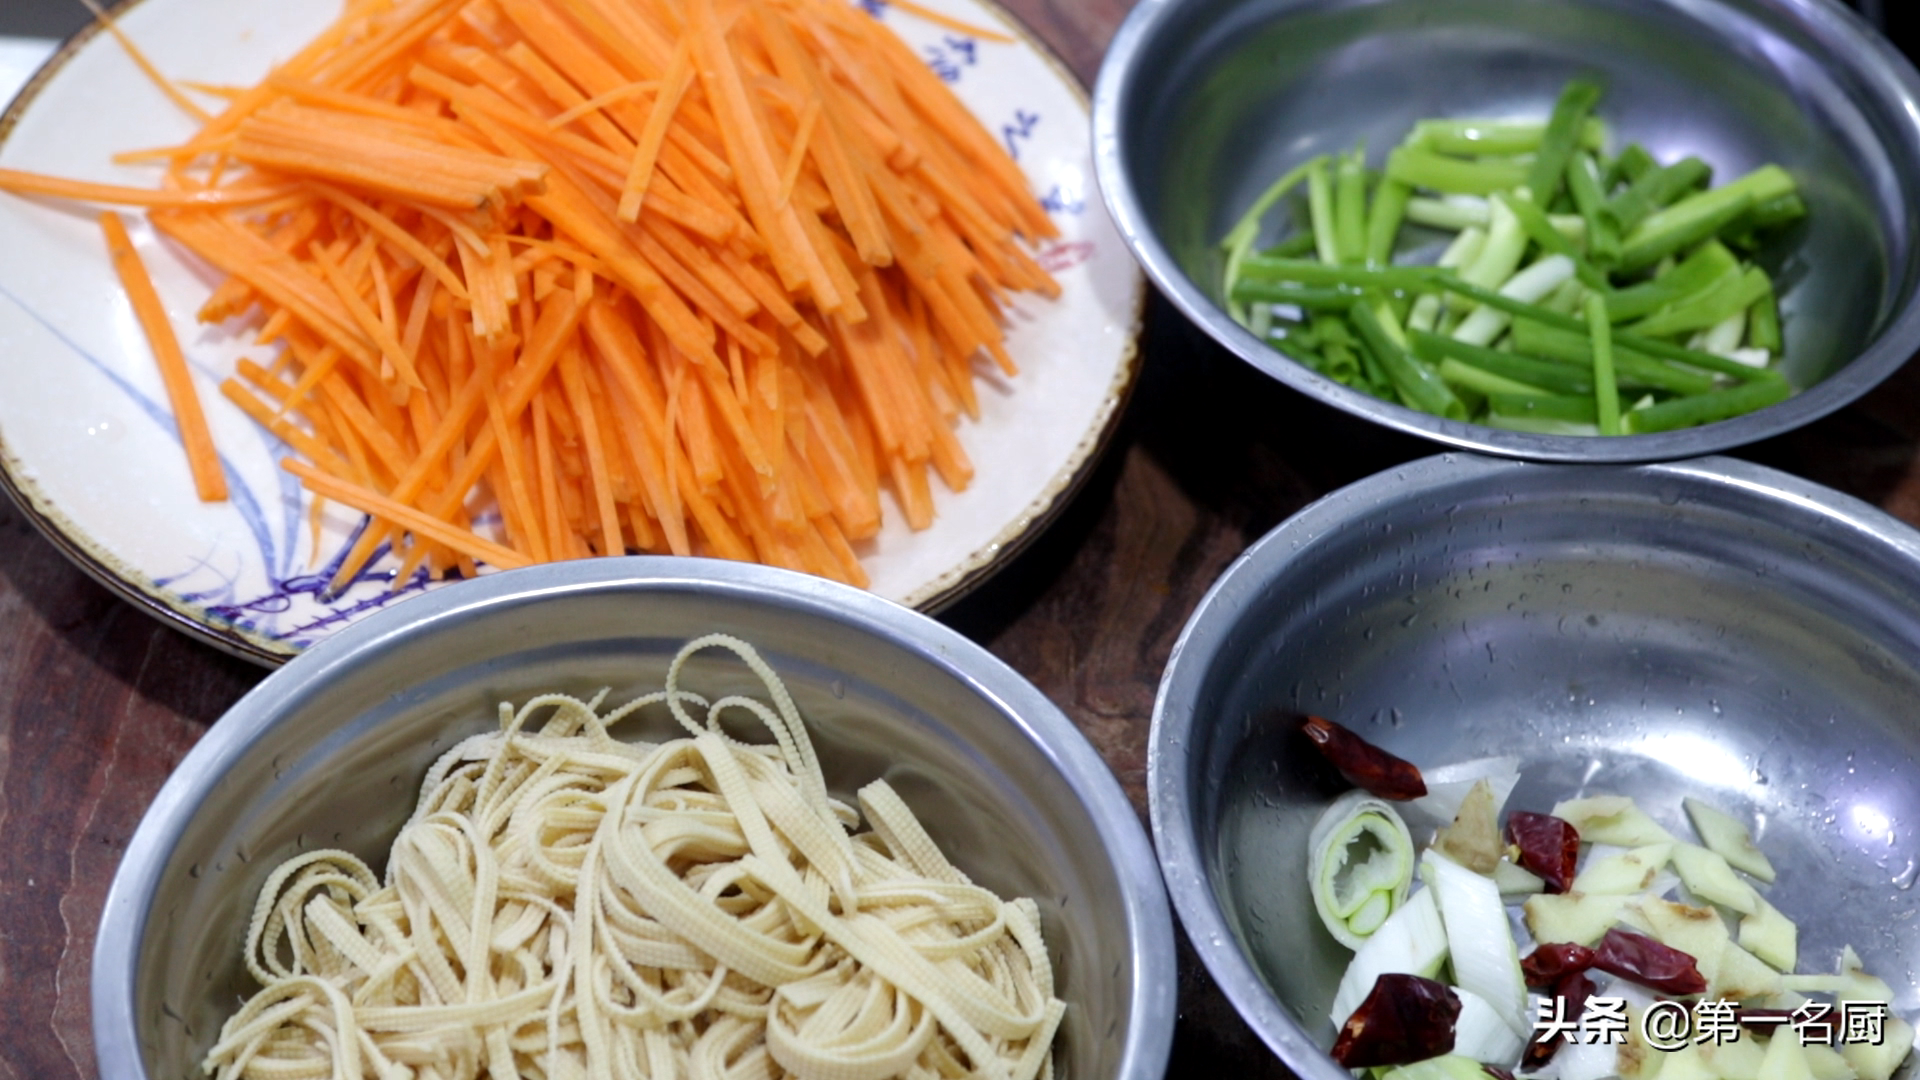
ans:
(1203, 104)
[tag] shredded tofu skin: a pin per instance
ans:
(563, 904)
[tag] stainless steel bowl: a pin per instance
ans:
(330, 752)
(1203, 103)
(1708, 627)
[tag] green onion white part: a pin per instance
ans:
(1479, 941)
(1530, 285)
(1481, 1033)
(1359, 866)
(1411, 942)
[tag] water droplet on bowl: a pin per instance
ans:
(1905, 878)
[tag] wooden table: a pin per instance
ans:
(98, 701)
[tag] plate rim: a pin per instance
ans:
(931, 598)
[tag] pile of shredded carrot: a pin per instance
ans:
(688, 276)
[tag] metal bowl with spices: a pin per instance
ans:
(1710, 628)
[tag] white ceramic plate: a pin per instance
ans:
(89, 449)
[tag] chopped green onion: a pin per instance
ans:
(1551, 376)
(1455, 212)
(1540, 425)
(1541, 231)
(1697, 217)
(1732, 293)
(1576, 100)
(1762, 217)
(1530, 285)
(1465, 248)
(1306, 272)
(1606, 392)
(1697, 271)
(1763, 330)
(1239, 239)
(1500, 256)
(1320, 211)
(1345, 352)
(1350, 208)
(1724, 337)
(1458, 213)
(1630, 367)
(1567, 298)
(1306, 297)
(1633, 163)
(1248, 227)
(1773, 213)
(1706, 408)
(1603, 236)
(1565, 408)
(1383, 220)
(1417, 385)
(1294, 246)
(1260, 320)
(1479, 336)
(1425, 314)
(1453, 176)
(1340, 365)
(1489, 137)
(1638, 343)
(1656, 188)
(1482, 381)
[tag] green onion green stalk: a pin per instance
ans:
(1581, 293)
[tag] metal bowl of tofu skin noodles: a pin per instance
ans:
(330, 752)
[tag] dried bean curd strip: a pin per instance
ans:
(562, 903)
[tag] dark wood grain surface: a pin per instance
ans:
(98, 701)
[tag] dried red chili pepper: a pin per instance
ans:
(1405, 1018)
(1573, 990)
(1548, 846)
(1365, 765)
(1649, 963)
(1548, 964)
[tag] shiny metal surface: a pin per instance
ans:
(1203, 103)
(330, 752)
(1708, 627)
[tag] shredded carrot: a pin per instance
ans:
(209, 480)
(370, 502)
(26, 183)
(105, 18)
(952, 23)
(554, 278)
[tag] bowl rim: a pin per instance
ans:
(1171, 739)
(117, 947)
(1123, 76)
